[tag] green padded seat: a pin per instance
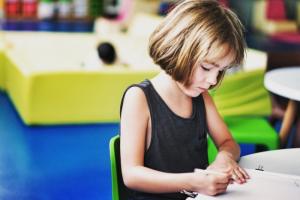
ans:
(248, 130)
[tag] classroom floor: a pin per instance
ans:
(53, 162)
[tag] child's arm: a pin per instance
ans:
(229, 150)
(134, 125)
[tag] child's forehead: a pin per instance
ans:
(220, 56)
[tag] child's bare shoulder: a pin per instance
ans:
(135, 98)
(134, 92)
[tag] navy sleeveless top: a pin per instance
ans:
(178, 144)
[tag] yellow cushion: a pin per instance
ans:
(2, 61)
(48, 85)
(1, 71)
(243, 93)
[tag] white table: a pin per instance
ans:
(277, 179)
(285, 82)
(280, 161)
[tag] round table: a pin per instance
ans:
(280, 161)
(285, 82)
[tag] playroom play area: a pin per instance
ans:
(60, 99)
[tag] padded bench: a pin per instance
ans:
(47, 83)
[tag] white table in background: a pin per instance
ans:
(286, 83)
(286, 161)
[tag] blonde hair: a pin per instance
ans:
(188, 32)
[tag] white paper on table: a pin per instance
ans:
(262, 185)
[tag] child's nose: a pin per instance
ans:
(212, 79)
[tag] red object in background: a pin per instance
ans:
(276, 10)
(224, 2)
(12, 8)
(29, 9)
(293, 38)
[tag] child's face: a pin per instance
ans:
(205, 75)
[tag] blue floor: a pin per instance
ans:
(53, 162)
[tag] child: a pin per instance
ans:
(165, 120)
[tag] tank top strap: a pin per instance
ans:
(144, 85)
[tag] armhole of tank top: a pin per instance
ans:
(149, 107)
(122, 99)
(201, 99)
(147, 99)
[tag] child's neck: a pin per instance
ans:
(172, 95)
(165, 84)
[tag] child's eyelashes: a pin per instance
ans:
(205, 69)
(209, 69)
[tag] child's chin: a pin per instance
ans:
(195, 93)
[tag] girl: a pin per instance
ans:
(165, 120)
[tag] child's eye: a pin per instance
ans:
(205, 69)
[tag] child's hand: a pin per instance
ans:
(226, 164)
(210, 183)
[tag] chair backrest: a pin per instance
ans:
(119, 190)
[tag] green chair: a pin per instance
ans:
(243, 102)
(119, 190)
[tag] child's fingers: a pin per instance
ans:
(238, 175)
(223, 177)
(245, 174)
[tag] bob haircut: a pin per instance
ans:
(184, 38)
